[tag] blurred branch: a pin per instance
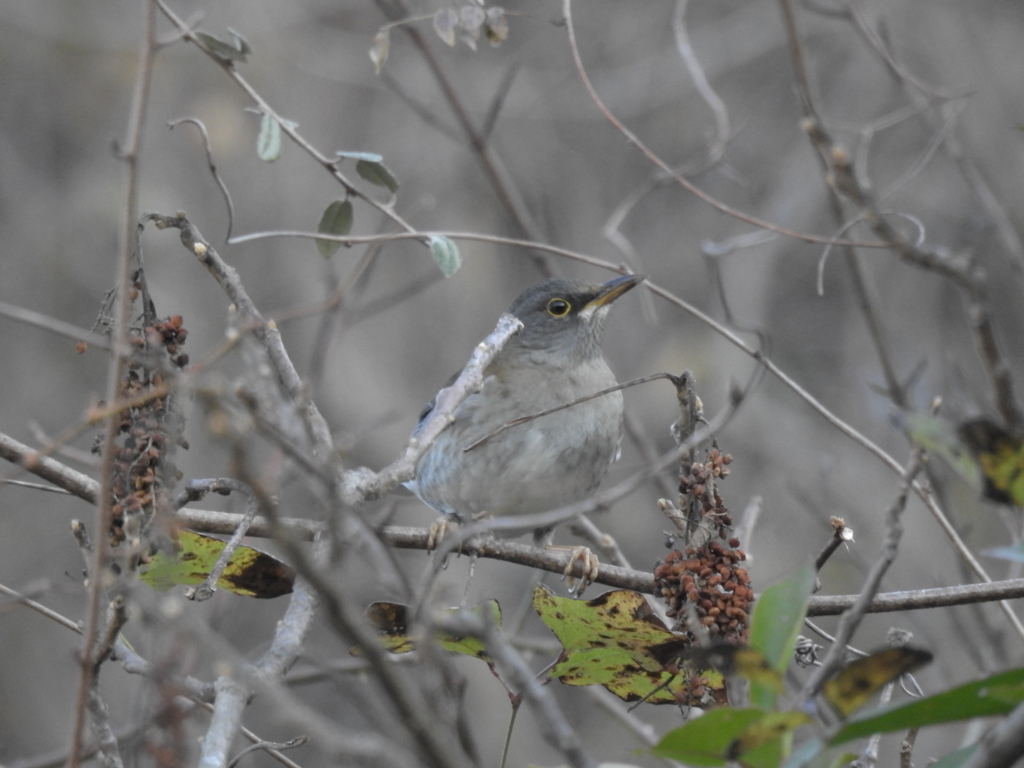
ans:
(213, 168)
(682, 180)
(554, 561)
(422, 718)
(106, 740)
(700, 82)
(61, 475)
(494, 169)
(205, 590)
(851, 619)
(554, 726)
(1002, 746)
(287, 126)
(363, 484)
(129, 153)
(232, 695)
(52, 324)
(990, 202)
(266, 332)
(961, 270)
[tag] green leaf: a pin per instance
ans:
(190, 558)
(706, 740)
(377, 173)
(446, 254)
(981, 698)
(336, 220)
(778, 616)
(226, 51)
(371, 157)
(767, 755)
(268, 144)
(615, 640)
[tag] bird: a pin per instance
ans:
(480, 466)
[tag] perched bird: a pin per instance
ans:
(543, 463)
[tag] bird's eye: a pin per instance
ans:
(559, 307)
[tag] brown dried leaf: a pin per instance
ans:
(496, 26)
(445, 22)
(379, 49)
(471, 19)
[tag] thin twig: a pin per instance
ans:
(852, 618)
(563, 406)
(840, 535)
(266, 332)
(209, 521)
(106, 740)
(288, 127)
(360, 485)
(52, 324)
(212, 166)
(115, 374)
(552, 722)
(681, 180)
(962, 271)
(205, 590)
(490, 162)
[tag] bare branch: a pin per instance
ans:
(52, 324)
(115, 373)
(360, 485)
(852, 618)
(682, 180)
(212, 166)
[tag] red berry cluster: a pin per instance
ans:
(710, 580)
(707, 575)
(148, 431)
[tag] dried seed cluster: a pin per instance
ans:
(708, 575)
(700, 484)
(148, 431)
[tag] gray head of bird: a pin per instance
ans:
(565, 318)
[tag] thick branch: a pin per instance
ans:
(208, 521)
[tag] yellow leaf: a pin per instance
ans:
(1000, 455)
(852, 686)
(190, 558)
(390, 620)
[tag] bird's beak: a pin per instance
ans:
(611, 290)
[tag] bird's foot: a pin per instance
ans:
(589, 569)
(438, 530)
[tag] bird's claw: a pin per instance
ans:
(589, 570)
(438, 530)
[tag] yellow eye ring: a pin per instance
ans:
(559, 307)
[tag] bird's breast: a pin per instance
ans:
(536, 465)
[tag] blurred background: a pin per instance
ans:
(935, 131)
